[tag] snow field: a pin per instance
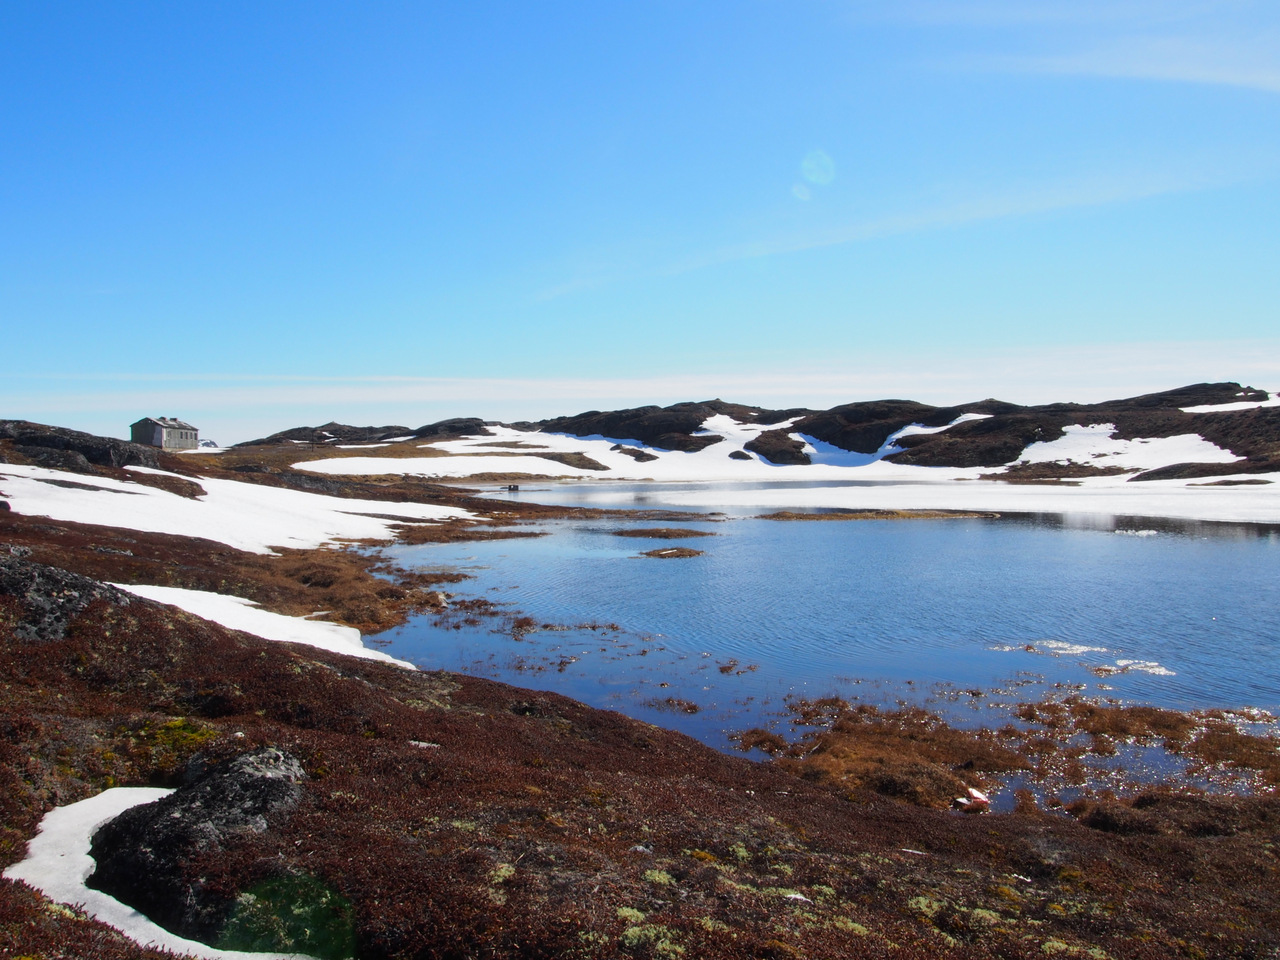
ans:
(246, 516)
(470, 456)
(1095, 446)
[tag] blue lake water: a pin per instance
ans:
(962, 615)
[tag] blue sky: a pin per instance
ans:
(258, 215)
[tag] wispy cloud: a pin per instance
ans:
(1029, 201)
(1224, 42)
(1252, 63)
(1019, 13)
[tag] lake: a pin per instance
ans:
(961, 615)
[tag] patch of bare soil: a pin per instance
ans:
(1052, 472)
(549, 829)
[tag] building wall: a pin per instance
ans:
(178, 439)
(169, 438)
(146, 432)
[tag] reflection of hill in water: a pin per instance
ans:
(877, 609)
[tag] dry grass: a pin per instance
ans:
(907, 754)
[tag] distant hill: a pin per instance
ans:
(985, 433)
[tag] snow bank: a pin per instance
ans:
(1094, 445)
(1272, 401)
(246, 516)
(58, 863)
(240, 614)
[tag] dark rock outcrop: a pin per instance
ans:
(456, 427)
(345, 433)
(63, 449)
(143, 855)
(635, 453)
(666, 428)
(778, 446)
(863, 427)
(48, 598)
(331, 433)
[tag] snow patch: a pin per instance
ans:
(246, 516)
(1094, 445)
(1273, 400)
(58, 864)
(237, 613)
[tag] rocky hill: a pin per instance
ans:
(997, 434)
(990, 433)
(345, 433)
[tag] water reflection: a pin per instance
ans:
(1173, 613)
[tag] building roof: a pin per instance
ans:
(170, 422)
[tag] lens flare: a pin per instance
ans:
(818, 167)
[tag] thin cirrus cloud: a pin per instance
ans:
(1032, 200)
(1029, 201)
(1254, 64)
(1227, 42)
(1016, 13)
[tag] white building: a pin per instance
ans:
(167, 433)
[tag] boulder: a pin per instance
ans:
(143, 855)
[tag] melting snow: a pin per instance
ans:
(240, 614)
(472, 455)
(246, 516)
(1272, 401)
(1093, 445)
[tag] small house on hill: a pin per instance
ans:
(167, 433)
